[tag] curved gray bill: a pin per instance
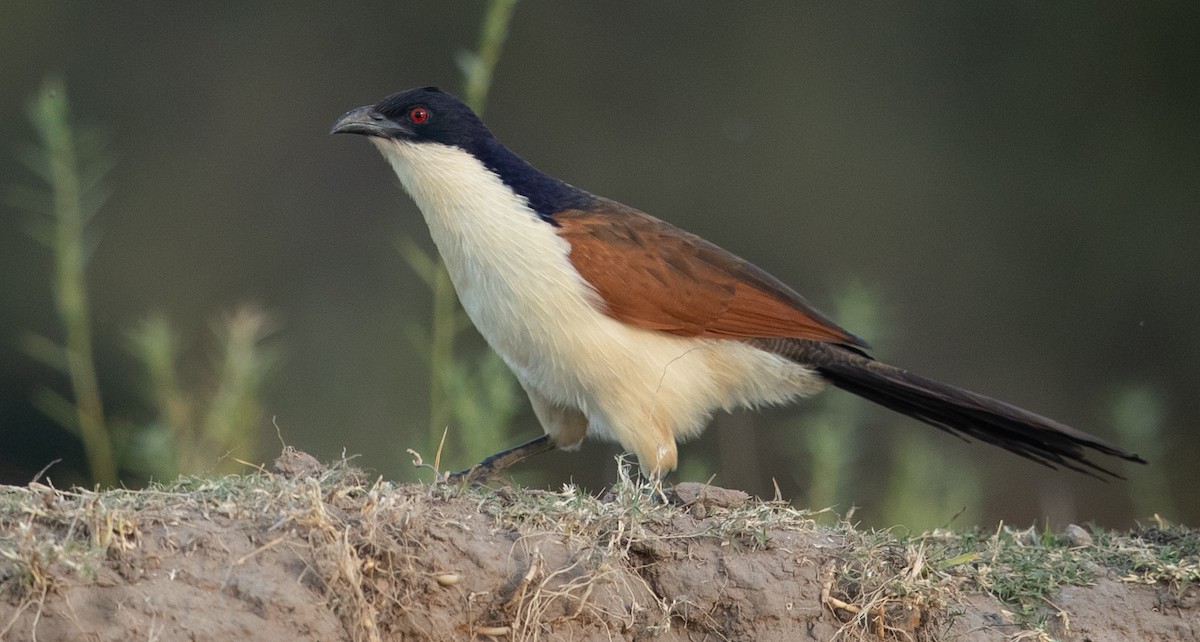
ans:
(366, 121)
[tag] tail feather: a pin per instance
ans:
(951, 409)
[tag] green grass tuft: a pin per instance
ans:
(73, 163)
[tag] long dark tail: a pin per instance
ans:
(951, 409)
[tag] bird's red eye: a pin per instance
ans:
(418, 115)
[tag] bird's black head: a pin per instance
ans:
(427, 114)
(430, 115)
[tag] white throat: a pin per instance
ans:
(441, 178)
(509, 267)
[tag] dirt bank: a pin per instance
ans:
(327, 554)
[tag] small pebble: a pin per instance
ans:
(1077, 535)
(294, 464)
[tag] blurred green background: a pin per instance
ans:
(1003, 196)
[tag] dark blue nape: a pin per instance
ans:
(546, 194)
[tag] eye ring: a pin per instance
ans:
(418, 115)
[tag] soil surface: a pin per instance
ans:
(308, 553)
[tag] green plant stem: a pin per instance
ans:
(1138, 412)
(441, 351)
(491, 41)
(832, 436)
(70, 289)
(477, 71)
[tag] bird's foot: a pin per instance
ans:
(493, 465)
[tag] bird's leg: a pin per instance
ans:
(493, 465)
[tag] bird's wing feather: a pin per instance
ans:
(653, 275)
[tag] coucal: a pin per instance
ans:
(624, 327)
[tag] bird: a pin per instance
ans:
(623, 327)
